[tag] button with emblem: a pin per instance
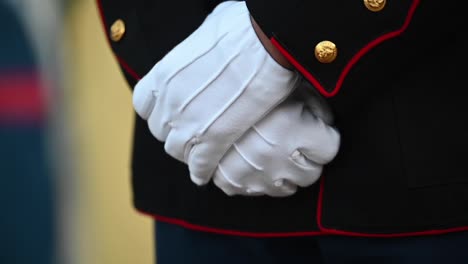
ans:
(375, 5)
(117, 30)
(326, 51)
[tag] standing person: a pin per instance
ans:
(28, 218)
(229, 167)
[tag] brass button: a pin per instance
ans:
(375, 5)
(117, 30)
(326, 51)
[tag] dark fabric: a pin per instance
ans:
(161, 184)
(300, 25)
(401, 114)
(176, 245)
(400, 111)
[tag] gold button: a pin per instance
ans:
(326, 51)
(117, 30)
(375, 5)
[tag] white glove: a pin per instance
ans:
(210, 89)
(286, 149)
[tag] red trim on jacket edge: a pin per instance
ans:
(184, 223)
(219, 231)
(121, 61)
(373, 235)
(353, 60)
(323, 230)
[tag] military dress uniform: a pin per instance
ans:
(388, 69)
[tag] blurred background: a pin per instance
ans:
(65, 140)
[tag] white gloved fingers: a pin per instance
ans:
(226, 8)
(176, 105)
(200, 181)
(179, 143)
(187, 106)
(202, 164)
(147, 99)
(158, 127)
(222, 181)
(230, 124)
(281, 188)
(144, 96)
(211, 89)
(240, 84)
(203, 40)
(254, 185)
(315, 102)
(271, 185)
(302, 171)
(157, 80)
(287, 148)
(250, 166)
(178, 58)
(318, 141)
(239, 173)
(203, 96)
(260, 154)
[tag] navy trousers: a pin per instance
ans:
(177, 245)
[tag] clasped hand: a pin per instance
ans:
(223, 106)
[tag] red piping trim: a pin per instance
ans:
(353, 60)
(320, 88)
(200, 228)
(128, 69)
(121, 61)
(358, 234)
(184, 223)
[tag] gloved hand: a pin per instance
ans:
(210, 89)
(286, 149)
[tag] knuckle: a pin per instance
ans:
(302, 161)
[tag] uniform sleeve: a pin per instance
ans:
(325, 39)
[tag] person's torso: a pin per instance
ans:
(400, 111)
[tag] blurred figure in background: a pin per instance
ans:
(28, 225)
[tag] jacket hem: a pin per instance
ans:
(222, 231)
(342, 232)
